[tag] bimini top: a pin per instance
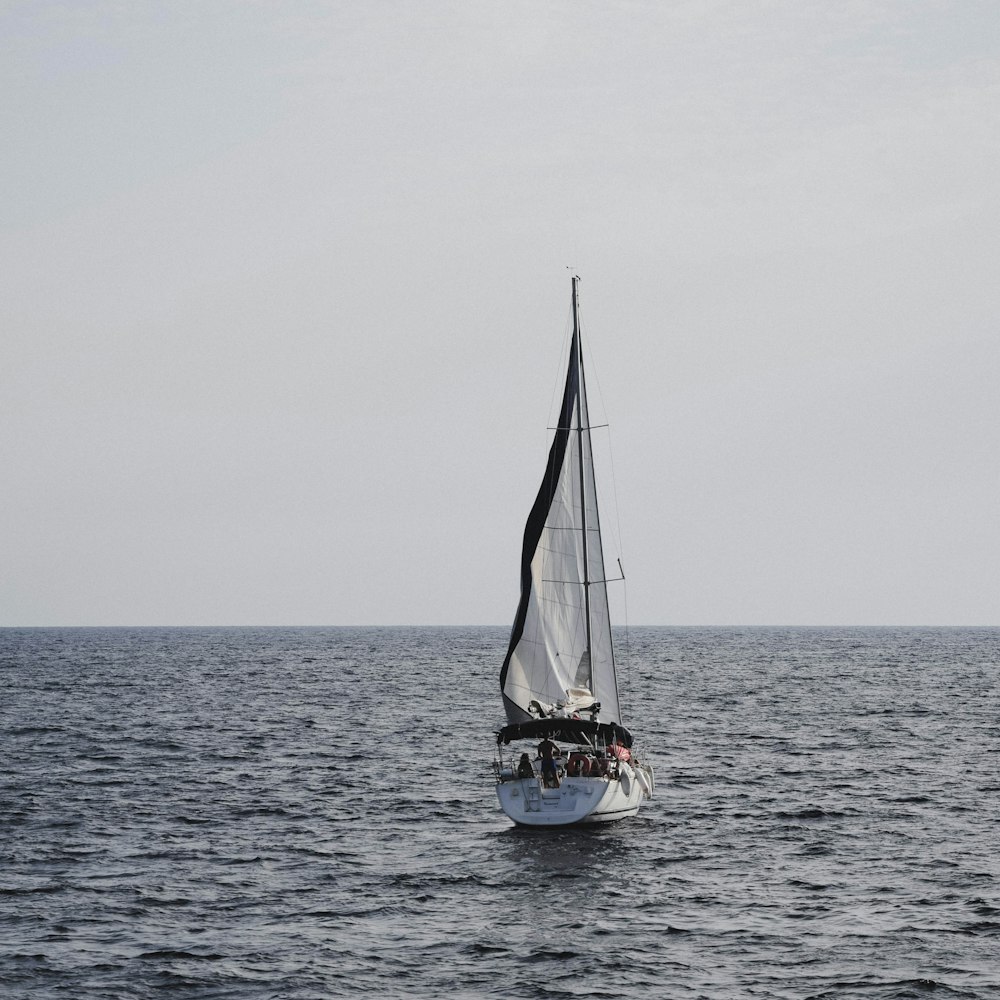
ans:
(567, 730)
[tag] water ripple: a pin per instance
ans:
(305, 813)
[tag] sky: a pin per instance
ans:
(286, 291)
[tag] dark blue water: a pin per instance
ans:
(308, 813)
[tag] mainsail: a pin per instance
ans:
(560, 644)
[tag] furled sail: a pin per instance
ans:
(560, 646)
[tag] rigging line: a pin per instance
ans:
(614, 493)
(621, 547)
(578, 329)
(594, 374)
(581, 403)
(616, 529)
(628, 643)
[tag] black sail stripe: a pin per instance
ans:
(536, 524)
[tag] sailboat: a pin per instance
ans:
(564, 756)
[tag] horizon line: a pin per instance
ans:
(842, 625)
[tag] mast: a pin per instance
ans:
(583, 487)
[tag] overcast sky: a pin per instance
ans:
(285, 293)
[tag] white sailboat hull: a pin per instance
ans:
(577, 800)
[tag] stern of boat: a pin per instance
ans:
(529, 802)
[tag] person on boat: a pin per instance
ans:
(548, 751)
(524, 768)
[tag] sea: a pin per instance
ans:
(309, 813)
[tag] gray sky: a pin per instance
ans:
(285, 293)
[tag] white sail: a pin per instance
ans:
(560, 647)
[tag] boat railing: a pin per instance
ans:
(582, 762)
